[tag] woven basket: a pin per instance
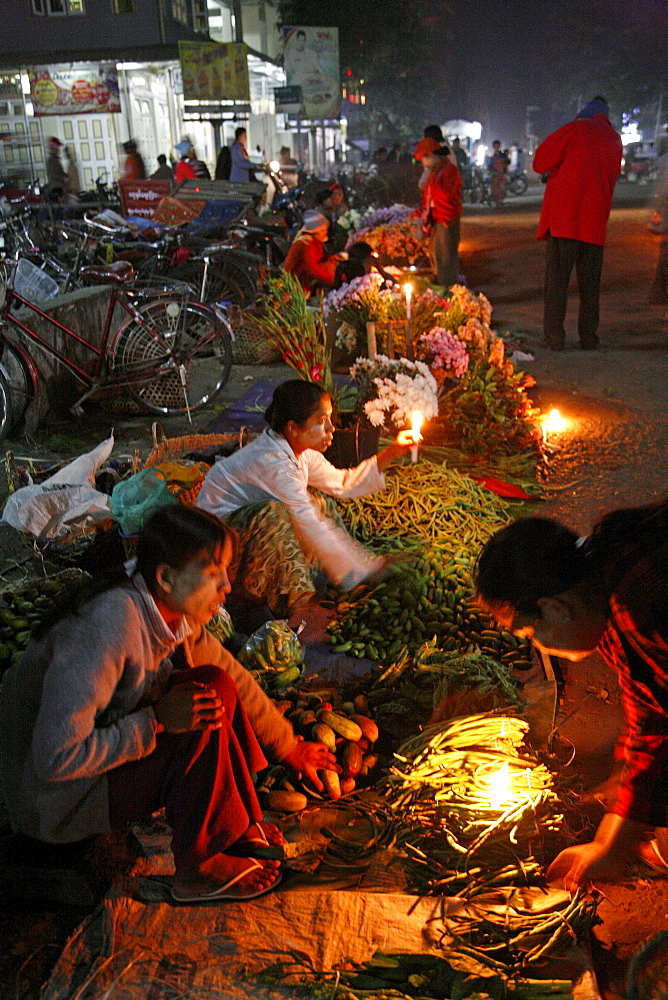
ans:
(172, 449)
(250, 345)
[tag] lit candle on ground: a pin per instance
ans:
(408, 289)
(553, 423)
(499, 787)
(416, 426)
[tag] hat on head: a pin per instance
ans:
(425, 146)
(183, 147)
(596, 107)
(314, 221)
(54, 142)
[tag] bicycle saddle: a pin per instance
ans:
(109, 274)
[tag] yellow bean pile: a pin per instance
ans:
(431, 501)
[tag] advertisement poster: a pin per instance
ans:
(311, 61)
(74, 90)
(213, 72)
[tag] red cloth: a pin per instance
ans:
(501, 488)
(583, 159)
(133, 168)
(442, 197)
(184, 171)
(309, 263)
(636, 646)
(203, 779)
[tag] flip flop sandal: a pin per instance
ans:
(258, 847)
(222, 892)
(663, 867)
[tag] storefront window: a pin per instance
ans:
(57, 8)
(200, 15)
(123, 6)
(180, 11)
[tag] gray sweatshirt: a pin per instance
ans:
(79, 703)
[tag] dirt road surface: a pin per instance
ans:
(612, 454)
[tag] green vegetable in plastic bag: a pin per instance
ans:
(274, 650)
(221, 625)
(135, 499)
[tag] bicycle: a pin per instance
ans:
(171, 354)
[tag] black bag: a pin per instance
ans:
(224, 164)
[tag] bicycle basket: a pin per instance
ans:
(32, 283)
(251, 345)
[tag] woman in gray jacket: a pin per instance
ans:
(126, 704)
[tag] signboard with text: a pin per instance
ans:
(141, 198)
(288, 99)
(213, 72)
(74, 90)
(311, 61)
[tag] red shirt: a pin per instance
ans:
(184, 170)
(636, 646)
(583, 160)
(442, 197)
(309, 263)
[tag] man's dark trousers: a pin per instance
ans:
(562, 255)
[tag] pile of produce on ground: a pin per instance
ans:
(345, 728)
(22, 608)
(405, 976)
(431, 501)
(473, 804)
(430, 596)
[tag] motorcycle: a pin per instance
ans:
(518, 182)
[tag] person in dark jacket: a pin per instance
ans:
(164, 171)
(583, 160)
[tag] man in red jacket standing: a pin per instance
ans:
(441, 212)
(583, 160)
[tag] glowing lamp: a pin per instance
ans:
(416, 426)
(275, 166)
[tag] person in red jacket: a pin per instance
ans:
(307, 258)
(583, 160)
(441, 212)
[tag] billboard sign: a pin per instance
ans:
(213, 72)
(74, 90)
(311, 61)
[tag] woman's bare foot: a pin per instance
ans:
(245, 877)
(263, 832)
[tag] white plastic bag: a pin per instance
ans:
(65, 501)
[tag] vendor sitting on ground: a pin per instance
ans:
(286, 533)
(125, 703)
(307, 258)
(609, 592)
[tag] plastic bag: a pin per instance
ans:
(275, 653)
(135, 499)
(66, 501)
(221, 625)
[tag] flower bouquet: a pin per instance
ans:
(397, 243)
(389, 390)
(355, 304)
(297, 331)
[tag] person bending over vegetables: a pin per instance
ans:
(608, 592)
(263, 490)
(125, 703)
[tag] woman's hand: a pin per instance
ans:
(308, 758)
(402, 443)
(579, 866)
(187, 707)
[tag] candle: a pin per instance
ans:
(499, 787)
(553, 423)
(408, 289)
(416, 424)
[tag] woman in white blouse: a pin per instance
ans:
(286, 531)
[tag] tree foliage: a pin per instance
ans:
(400, 48)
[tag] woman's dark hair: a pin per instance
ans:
(361, 250)
(433, 132)
(537, 557)
(174, 535)
(532, 558)
(295, 400)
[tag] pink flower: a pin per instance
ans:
(316, 372)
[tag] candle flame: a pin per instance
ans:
(416, 425)
(408, 288)
(499, 787)
(554, 423)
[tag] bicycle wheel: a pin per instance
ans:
(175, 359)
(5, 409)
(518, 185)
(20, 375)
(225, 281)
